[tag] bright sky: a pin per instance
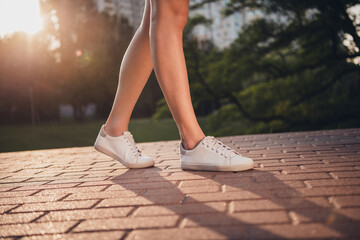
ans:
(19, 15)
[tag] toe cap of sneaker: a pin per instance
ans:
(143, 161)
(246, 162)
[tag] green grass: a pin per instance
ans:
(74, 134)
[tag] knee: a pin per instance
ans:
(179, 15)
(172, 12)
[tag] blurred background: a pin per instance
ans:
(254, 66)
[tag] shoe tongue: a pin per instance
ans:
(207, 139)
(127, 133)
(129, 136)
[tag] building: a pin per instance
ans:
(224, 29)
(132, 10)
(105, 6)
(222, 32)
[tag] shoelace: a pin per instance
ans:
(220, 147)
(133, 146)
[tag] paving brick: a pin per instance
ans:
(35, 228)
(318, 170)
(318, 191)
(332, 165)
(46, 186)
(79, 180)
(16, 194)
(126, 223)
(135, 186)
(185, 209)
(181, 190)
(328, 216)
(19, 217)
(238, 232)
(237, 219)
(198, 183)
(13, 179)
(280, 204)
(239, 176)
(189, 175)
(350, 174)
(288, 231)
(288, 177)
(340, 160)
(5, 189)
(30, 199)
(285, 163)
(102, 195)
(333, 182)
(49, 206)
(4, 208)
(23, 184)
(56, 178)
(278, 168)
(105, 235)
(345, 201)
(137, 201)
(138, 174)
(252, 186)
(304, 185)
(98, 183)
(224, 196)
(63, 191)
(351, 213)
(57, 216)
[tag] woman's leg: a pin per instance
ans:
(135, 70)
(168, 19)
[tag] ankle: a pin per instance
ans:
(114, 131)
(191, 143)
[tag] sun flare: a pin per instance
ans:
(19, 15)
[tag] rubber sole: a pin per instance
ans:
(198, 167)
(123, 162)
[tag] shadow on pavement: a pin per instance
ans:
(245, 184)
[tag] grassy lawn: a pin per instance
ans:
(59, 135)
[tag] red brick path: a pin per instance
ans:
(305, 185)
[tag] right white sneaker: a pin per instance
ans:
(123, 148)
(212, 155)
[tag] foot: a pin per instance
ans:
(211, 154)
(123, 148)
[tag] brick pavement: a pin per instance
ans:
(305, 185)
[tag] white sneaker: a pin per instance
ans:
(212, 155)
(123, 148)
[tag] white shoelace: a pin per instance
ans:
(220, 147)
(133, 146)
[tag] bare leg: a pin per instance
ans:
(135, 70)
(168, 19)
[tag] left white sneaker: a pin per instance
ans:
(212, 155)
(123, 148)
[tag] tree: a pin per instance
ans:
(289, 69)
(91, 48)
(89, 53)
(26, 72)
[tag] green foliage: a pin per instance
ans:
(78, 134)
(26, 65)
(72, 61)
(89, 54)
(288, 70)
(162, 110)
(221, 122)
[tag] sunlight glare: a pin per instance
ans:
(20, 15)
